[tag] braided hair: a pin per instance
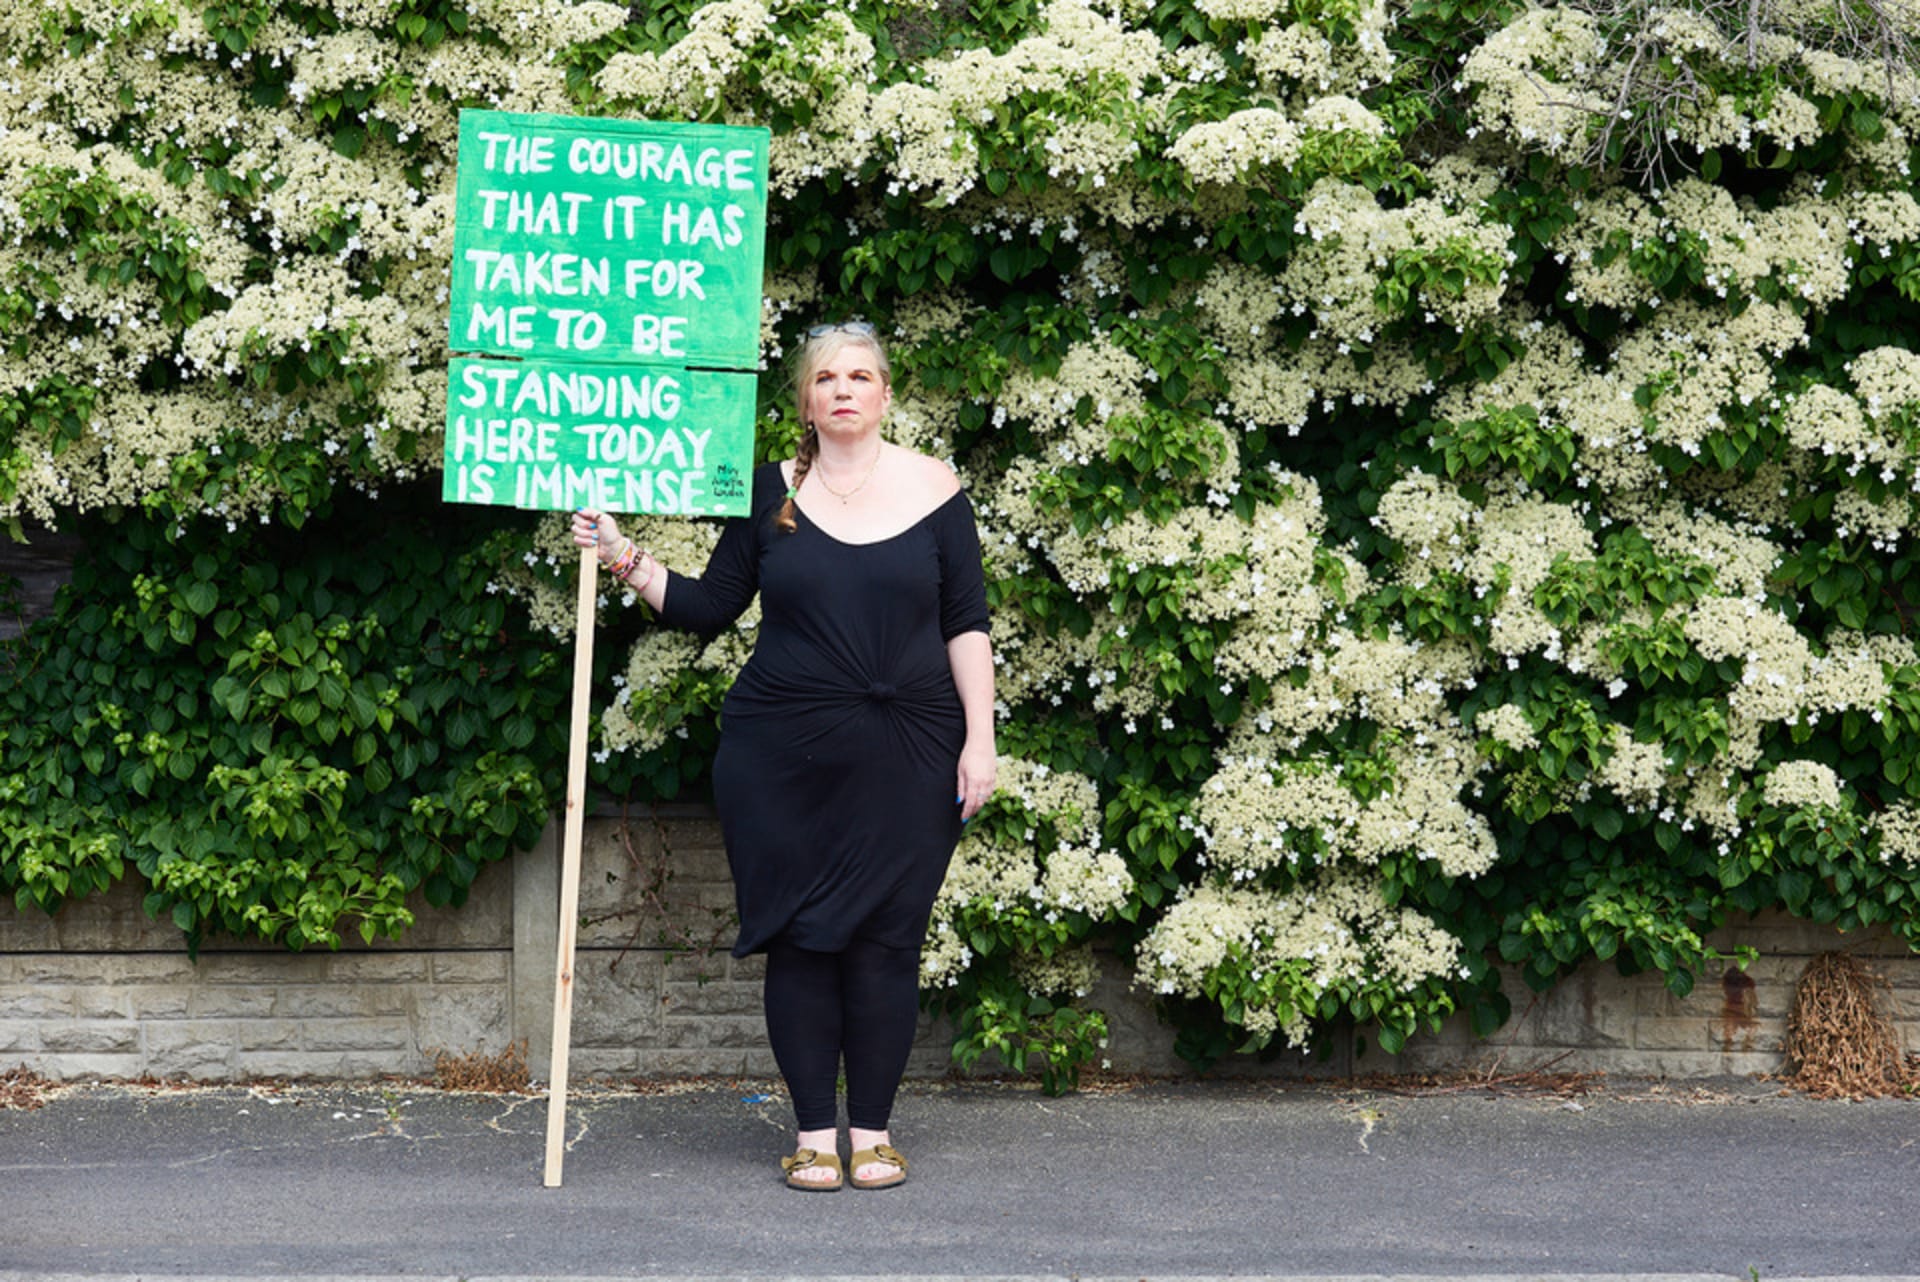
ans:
(821, 346)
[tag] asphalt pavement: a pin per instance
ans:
(1616, 1179)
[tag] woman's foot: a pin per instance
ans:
(876, 1163)
(823, 1170)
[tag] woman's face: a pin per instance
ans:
(848, 395)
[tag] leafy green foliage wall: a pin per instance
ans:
(284, 736)
(1447, 469)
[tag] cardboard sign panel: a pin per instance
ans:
(554, 436)
(609, 240)
(619, 262)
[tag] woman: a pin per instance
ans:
(854, 743)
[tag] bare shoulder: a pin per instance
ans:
(931, 478)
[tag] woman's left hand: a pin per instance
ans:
(977, 769)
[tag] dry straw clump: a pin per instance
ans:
(22, 1088)
(1841, 1043)
(503, 1072)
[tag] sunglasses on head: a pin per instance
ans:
(858, 328)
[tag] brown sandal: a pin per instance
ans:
(807, 1159)
(886, 1153)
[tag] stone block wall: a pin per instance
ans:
(1733, 1023)
(101, 991)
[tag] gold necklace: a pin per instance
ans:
(843, 497)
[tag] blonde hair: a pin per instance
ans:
(822, 345)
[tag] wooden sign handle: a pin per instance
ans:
(570, 862)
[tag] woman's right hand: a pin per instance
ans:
(596, 530)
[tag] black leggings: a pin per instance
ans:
(863, 1004)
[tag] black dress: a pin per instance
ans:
(841, 737)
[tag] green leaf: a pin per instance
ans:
(517, 732)
(200, 597)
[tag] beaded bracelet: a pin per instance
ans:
(629, 559)
(623, 564)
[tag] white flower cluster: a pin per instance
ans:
(1339, 933)
(1239, 10)
(1253, 816)
(1070, 973)
(1099, 373)
(1272, 590)
(1519, 539)
(926, 131)
(1293, 59)
(1388, 680)
(1228, 151)
(1775, 657)
(691, 76)
(1897, 829)
(1507, 725)
(1266, 393)
(1826, 421)
(1636, 772)
(1742, 557)
(544, 24)
(1000, 871)
(1354, 242)
(1240, 304)
(1431, 521)
(1542, 80)
(1703, 361)
(1887, 381)
(1519, 78)
(1802, 784)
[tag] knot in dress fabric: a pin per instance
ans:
(880, 692)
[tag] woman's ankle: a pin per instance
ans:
(822, 1141)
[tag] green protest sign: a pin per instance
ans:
(620, 263)
(607, 240)
(619, 438)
